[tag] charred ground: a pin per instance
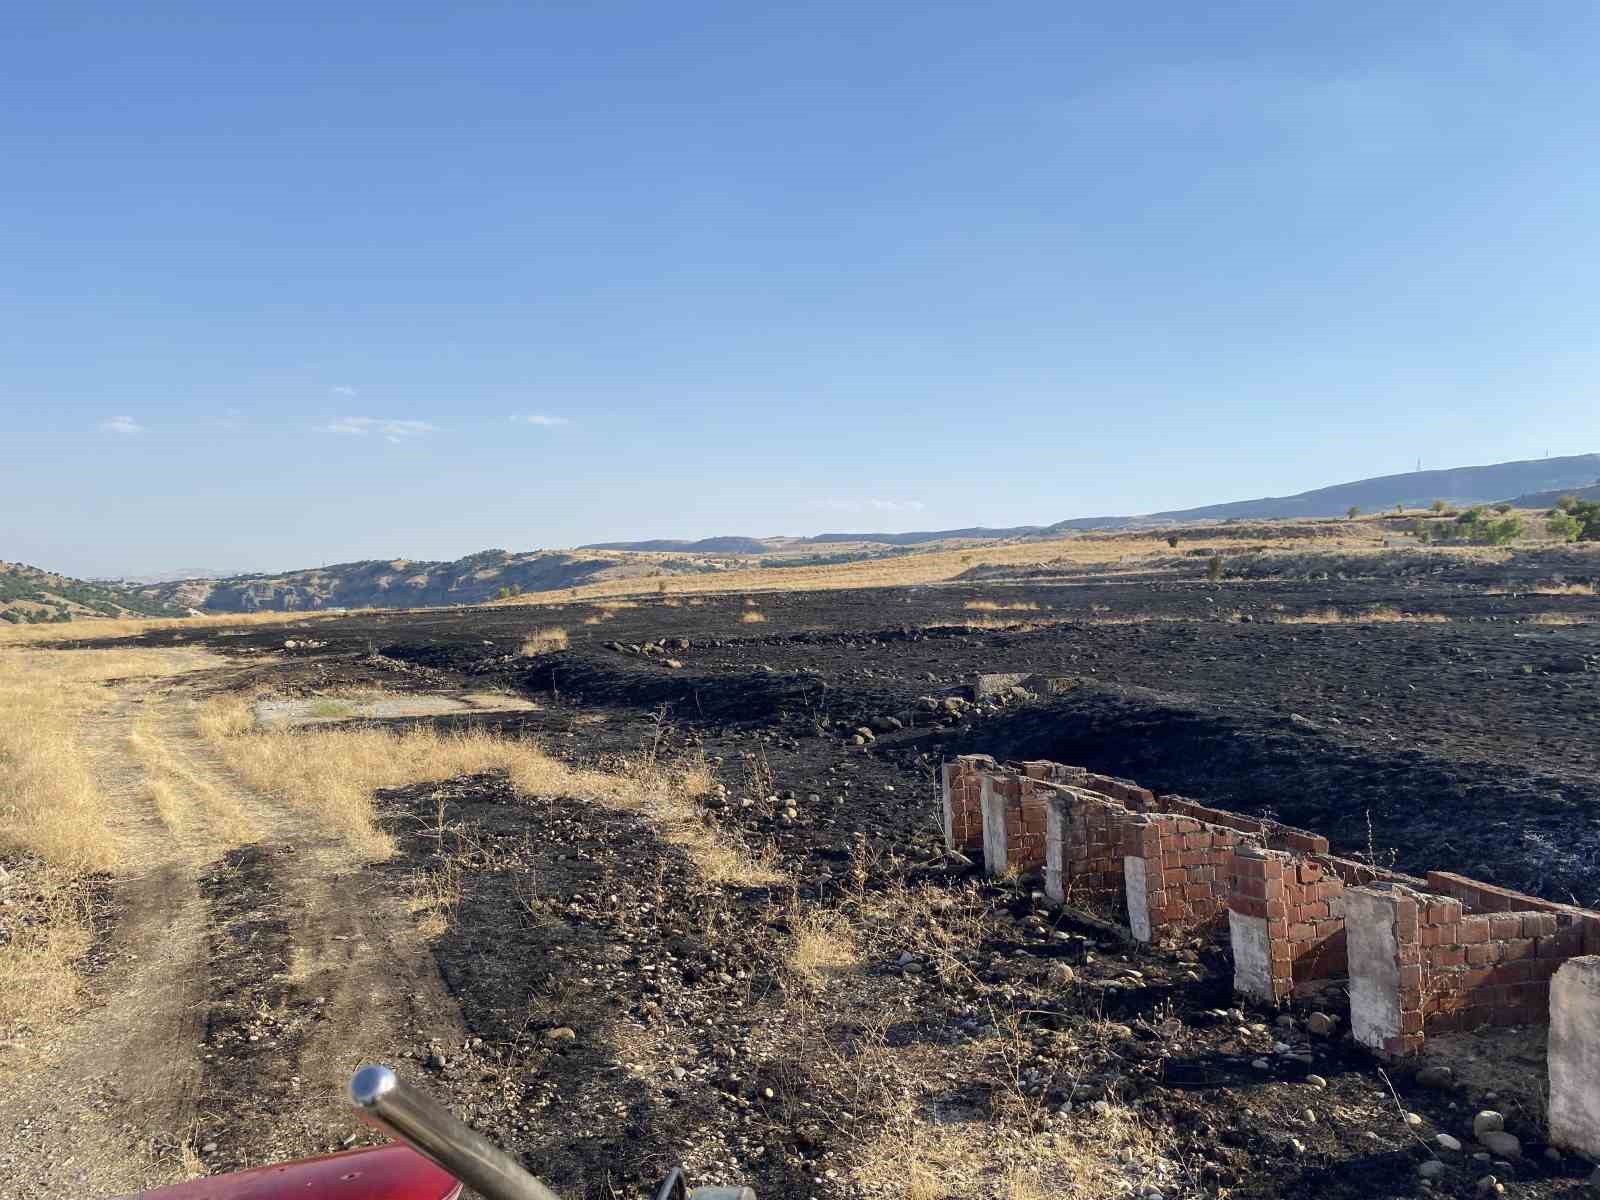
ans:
(622, 1014)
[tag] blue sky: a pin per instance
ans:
(299, 283)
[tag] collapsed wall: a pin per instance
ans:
(1421, 957)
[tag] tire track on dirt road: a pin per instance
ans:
(245, 981)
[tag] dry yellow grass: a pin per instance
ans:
(824, 947)
(100, 629)
(1553, 588)
(189, 803)
(50, 803)
(937, 566)
(334, 771)
(1369, 616)
(53, 812)
(995, 606)
(752, 617)
(39, 980)
(926, 1159)
(541, 641)
(1558, 619)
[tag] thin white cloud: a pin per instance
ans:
(541, 419)
(125, 426)
(870, 505)
(346, 392)
(388, 429)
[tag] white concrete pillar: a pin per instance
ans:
(1252, 957)
(1374, 967)
(994, 827)
(1056, 829)
(1135, 883)
(1575, 1056)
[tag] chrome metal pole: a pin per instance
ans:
(437, 1134)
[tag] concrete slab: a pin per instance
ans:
(1374, 966)
(328, 710)
(1575, 1056)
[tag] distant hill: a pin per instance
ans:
(174, 576)
(31, 595)
(1415, 489)
(404, 583)
(1549, 499)
(753, 545)
(408, 583)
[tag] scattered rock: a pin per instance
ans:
(1488, 1121)
(1414, 1120)
(561, 1033)
(1432, 1169)
(1489, 1186)
(1499, 1142)
(1446, 1142)
(1322, 1024)
(1435, 1077)
(1316, 1081)
(1061, 974)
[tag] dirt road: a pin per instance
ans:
(251, 967)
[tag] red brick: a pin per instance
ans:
(1501, 927)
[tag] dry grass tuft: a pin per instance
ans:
(542, 641)
(1555, 588)
(922, 1158)
(39, 980)
(1558, 619)
(824, 948)
(752, 617)
(1368, 616)
(995, 606)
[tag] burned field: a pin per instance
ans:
(866, 1013)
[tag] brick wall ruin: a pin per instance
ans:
(1421, 957)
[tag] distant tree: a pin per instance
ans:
(1503, 507)
(503, 593)
(1214, 568)
(1438, 506)
(1399, 508)
(1353, 511)
(1172, 541)
(1587, 514)
(1562, 525)
(1567, 503)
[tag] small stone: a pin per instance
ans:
(1321, 1024)
(209, 1148)
(1432, 1169)
(1499, 1142)
(1316, 1081)
(1435, 1077)
(1446, 1142)
(1552, 1155)
(1414, 1120)
(1489, 1186)
(1061, 974)
(1488, 1121)
(1261, 1064)
(437, 1062)
(561, 1033)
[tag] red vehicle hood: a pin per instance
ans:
(392, 1172)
